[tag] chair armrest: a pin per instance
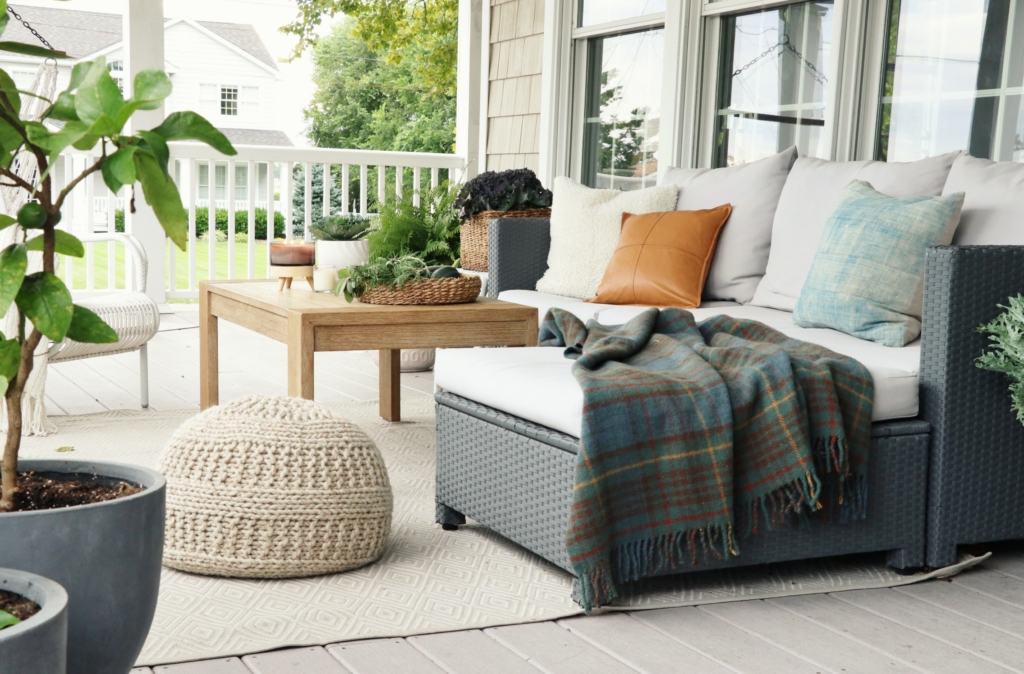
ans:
(517, 253)
(977, 442)
(133, 247)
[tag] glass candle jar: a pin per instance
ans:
(296, 253)
(324, 278)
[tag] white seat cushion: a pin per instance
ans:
(537, 384)
(993, 194)
(582, 310)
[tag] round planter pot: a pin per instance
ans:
(39, 644)
(413, 360)
(342, 254)
(106, 555)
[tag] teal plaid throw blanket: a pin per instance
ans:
(696, 435)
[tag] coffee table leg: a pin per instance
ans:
(390, 384)
(209, 377)
(300, 357)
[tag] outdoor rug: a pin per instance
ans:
(428, 580)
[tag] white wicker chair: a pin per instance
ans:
(132, 314)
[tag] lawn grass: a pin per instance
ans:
(101, 261)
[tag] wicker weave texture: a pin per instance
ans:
(428, 291)
(521, 487)
(518, 253)
(474, 239)
(273, 487)
(976, 491)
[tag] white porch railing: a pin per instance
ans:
(242, 254)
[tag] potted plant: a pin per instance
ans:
(427, 229)
(1006, 334)
(95, 528)
(515, 193)
(33, 624)
(341, 241)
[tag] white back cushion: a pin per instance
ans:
(585, 226)
(809, 197)
(741, 255)
(993, 202)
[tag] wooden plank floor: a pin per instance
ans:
(973, 624)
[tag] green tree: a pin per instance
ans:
(391, 28)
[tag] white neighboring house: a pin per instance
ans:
(223, 71)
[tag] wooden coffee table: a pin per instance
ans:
(308, 322)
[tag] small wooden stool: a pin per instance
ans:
(285, 274)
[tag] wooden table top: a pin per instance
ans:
(266, 296)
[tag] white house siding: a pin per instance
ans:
(513, 97)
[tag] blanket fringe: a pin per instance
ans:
(844, 496)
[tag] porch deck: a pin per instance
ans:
(975, 623)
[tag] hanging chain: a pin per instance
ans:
(785, 44)
(30, 28)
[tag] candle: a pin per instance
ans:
(296, 253)
(324, 278)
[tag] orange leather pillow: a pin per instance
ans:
(662, 259)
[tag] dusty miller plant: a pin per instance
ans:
(1006, 334)
(94, 113)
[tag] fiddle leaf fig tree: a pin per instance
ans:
(92, 113)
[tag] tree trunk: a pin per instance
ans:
(11, 446)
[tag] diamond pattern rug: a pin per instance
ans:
(428, 580)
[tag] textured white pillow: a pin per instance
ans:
(741, 254)
(585, 226)
(811, 194)
(993, 202)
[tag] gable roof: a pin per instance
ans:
(82, 34)
(256, 137)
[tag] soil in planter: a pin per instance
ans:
(18, 606)
(48, 491)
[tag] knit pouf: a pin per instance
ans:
(269, 487)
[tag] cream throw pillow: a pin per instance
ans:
(585, 225)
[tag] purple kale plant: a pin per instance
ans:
(512, 190)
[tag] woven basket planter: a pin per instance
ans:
(428, 291)
(473, 235)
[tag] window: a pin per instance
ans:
(241, 182)
(221, 177)
(773, 83)
(623, 101)
(954, 72)
(116, 69)
(204, 181)
(229, 101)
(23, 79)
(248, 101)
(593, 12)
(208, 99)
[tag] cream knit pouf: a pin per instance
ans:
(270, 487)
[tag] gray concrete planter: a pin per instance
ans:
(106, 555)
(39, 644)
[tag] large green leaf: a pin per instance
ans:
(46, 301)
(191, 126)
(64, 243)
(151, 88)
(10, 358)
(6, 221)
(119, 168)
(98, 95)
(89, 328)
(6, 619)
(78, 73)
(10, 91)
(155, 143)
(63, 108)
(55, 143)
(31, 50)
(5, 18)
(162, 195)
(13, 264)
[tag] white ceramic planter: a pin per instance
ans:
(413, 360)
(342, 254)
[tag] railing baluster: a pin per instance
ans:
(364, 178)
(382, 175)
(307, 211)
(253, 177)
(344, 190)
(230, 198)
(193, 188)
(399, 179)
(289, 195)
(211, 219)
(111, 227)
(434, 182)
(90, 254)
(416, 186)
(327, 190)
(271, 215)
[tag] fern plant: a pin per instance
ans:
(428, 230)
(1006, 334)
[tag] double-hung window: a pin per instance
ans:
(619, 47)
(229, 101)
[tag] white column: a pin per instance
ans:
(469, 92)
(143, 32)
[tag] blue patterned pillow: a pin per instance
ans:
(867, 275)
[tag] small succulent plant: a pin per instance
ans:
(512, 190)
(341, 228)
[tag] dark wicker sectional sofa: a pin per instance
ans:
(949, 477)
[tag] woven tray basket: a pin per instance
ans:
(473, 235)
(429, 291)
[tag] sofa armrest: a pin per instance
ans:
(976, 483)
(517, 253)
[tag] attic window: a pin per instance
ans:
(116, 69)
(229, 101)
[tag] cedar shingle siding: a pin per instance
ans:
(513, 106)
